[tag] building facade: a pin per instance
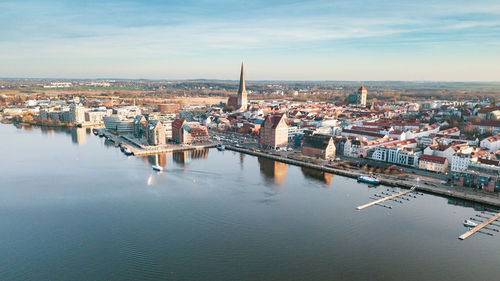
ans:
(189, 132)
(433, 163)
(492, 143)
(274, 131)
(319, 146)
(155, 133)
(358, 97)
(396, 155)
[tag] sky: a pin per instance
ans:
(277, 40)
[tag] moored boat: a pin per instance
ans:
(127, 151)
(157, 168)
(221, 147)
(470, 223)
(368, 179)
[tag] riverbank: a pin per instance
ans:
(384, 179)
(139, 149)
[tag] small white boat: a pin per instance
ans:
(221, 147)
(157, 168)
(127, 151)
(368, 179)
(470, 223)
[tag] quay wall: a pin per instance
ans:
(442, 191)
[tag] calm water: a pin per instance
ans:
(73, 207)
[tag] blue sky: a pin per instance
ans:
(283, 40)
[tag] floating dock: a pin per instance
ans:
(479, 227)
(377, 202)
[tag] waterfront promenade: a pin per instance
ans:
(139, 149)
(384, 179)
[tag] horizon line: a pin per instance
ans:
(257, 80)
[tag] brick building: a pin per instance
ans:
(189, 132)
(274, 131)
(320, 146)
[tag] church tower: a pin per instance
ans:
(242, 92)
(361, 96)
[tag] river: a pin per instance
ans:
(73, 207)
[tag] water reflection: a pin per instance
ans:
(185, 157)
(326, 178)
(242, 159)
(273, 170)
(475, 206)
(157, 159)
(79, 135)
(125, 215)
(108, 142)
(47, 130)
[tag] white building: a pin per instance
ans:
(492, 143)
(396, 155)
(422, 132)
(461, 162)
(77, 114)
(119, 124)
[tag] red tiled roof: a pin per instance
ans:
(488, 123)
(366, 129)
(177, 124)
(432, 158)
(402, 143)
(274, 119)
(361, 133)
(494, 138)
(489, 162)
(449, 131)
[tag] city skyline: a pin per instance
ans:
(278, 40)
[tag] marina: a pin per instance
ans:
(376, 202)
(384, 180)
(480, 226)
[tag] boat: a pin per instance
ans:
(95, 132)
(101, 134)
(368, 179)
(127, 151)
(470, 223)
(221, 147)
(157, 168)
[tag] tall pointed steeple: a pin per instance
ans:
(242, 81)
(242, 92)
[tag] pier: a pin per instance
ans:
(377, 202)
(479, 198)
(479, 227)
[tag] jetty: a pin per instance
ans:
(443, 191)
(479, 227)
(377, 202)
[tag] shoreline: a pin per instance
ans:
(138, 149)
(463, 195)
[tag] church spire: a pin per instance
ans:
(242, 92)
(242, 88)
